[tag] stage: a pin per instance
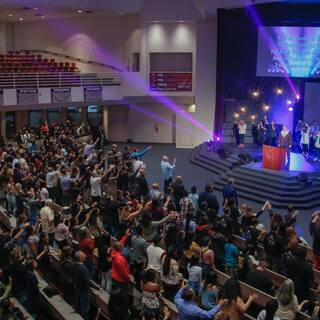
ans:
(299, 186)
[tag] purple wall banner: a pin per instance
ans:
(93, 94)
(27, 96)
(61, 95)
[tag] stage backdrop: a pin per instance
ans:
(311, 102)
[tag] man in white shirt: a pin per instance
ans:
(52, 182)
(137, 166)
(155, 255)
(47, 222)
(89, 147)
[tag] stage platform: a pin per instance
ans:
(258, 184)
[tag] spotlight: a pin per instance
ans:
(253, 117)
(243, 109)
(218, 138)
(10, 15)
(298, 96)
(20, 19)
(79, 11)
(289, 102)
(255, 94)
(290, 109)
(236, 115)
(279, 91)
(266, 107)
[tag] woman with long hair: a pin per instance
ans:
(270, 311)
(209, 291)
(150, 290)
(170, 275)
(288, 302)
(236, 307)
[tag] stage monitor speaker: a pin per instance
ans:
(245, 157)
(221, 152)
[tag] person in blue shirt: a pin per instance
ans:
(231, 253)
(167, 170)
(136, 154)
(229, 191)
(188, 309)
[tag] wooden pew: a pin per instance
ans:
(58, 308)
(18, 305)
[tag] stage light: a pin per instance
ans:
(253, 117)
(279, 91)
(289, 102)
(218, 138)
(20, 19)
(79, 11)
(298, 96)
(255, 94)
(290, 109)
(243, 109)
(266, 107)
(236, 115)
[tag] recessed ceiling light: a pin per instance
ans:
(20, 19)
(120, 12)
(79, 11)
(43, 17)
(10, 15)
(35, 8)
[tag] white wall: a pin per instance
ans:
(118, 123)
(110, 40)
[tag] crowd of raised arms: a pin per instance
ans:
(95, 211)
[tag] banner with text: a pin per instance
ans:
(61, 95)
(28, 96)
(93, 94)
(171, 81)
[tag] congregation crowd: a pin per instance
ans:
(96, 212)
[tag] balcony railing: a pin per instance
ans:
(58, 80)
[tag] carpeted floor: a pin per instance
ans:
(196, 176)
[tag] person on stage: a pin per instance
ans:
(262, 132)
(285, 140)
(242, 132)
(305, 140)
(272, 133)
(317, 147)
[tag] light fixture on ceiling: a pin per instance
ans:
(42, 17)
(20, 19)
(10, 15)
(120, 13)
(35, 8)
(79, 11)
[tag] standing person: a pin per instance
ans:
(235, 133)
(194, 198)
(231, 254)
(242, 132)
(272, 133)
(155, 254)
(167, 170)
(285, 141)
(120, 273)
(261, 133)
(317, 147)
(273, 246)
(195, 274)
(81, 281)
(305, 140)
(210, 198)
(229, 191)
(301, 273)
(315, 233)
(288, 302)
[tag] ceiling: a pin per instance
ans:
(31, 10)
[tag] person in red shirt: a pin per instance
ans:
(86, 245)
(120, 273)
(45, 128)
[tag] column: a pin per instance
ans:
(84, 114)
(3, 123)
(105, 120)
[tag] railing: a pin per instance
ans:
(58, 80)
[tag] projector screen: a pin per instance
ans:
(288, 51)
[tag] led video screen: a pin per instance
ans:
(288, 51)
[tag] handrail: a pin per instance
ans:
(57, 80)
(100, 64)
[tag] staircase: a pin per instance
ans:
(256, 185)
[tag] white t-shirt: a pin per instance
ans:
(262, 316)
(137, 166)
(51, 179)
(242, 128)
(95, 183)
(154, 257)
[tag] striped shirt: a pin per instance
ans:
(138, 248)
